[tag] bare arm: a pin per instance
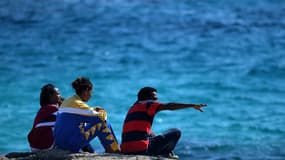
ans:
(175, 106)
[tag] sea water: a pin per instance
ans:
(227, 54)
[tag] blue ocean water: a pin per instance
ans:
(228, 54)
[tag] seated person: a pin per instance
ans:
(77, 123)
(41, 135)
(137, 136)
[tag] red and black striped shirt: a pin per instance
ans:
(137, 127)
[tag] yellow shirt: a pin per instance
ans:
(75, 105)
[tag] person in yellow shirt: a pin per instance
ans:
(77, 123)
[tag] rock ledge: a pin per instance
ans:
(56, 154)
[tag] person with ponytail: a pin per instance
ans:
(78, 123)
(41, 135)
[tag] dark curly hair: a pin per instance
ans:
(81, 84)
(46, 91)
(146, 93)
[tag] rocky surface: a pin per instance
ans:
(57, 154)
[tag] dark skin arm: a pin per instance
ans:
(176, 106)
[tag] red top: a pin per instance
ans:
(41, 135)
(137, 127)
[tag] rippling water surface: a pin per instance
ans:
(228, 54)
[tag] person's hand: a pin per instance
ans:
(199, 106)
(101, 111)
(60, 100)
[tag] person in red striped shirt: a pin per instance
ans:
(137, 136)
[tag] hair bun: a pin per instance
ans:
(75, 84)
(81, 83)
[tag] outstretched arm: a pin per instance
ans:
(175, 106)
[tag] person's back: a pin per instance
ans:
(70, 129)
(137, 127)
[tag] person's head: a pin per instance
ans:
(83, 88)
(49, 95)
(147, 93)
